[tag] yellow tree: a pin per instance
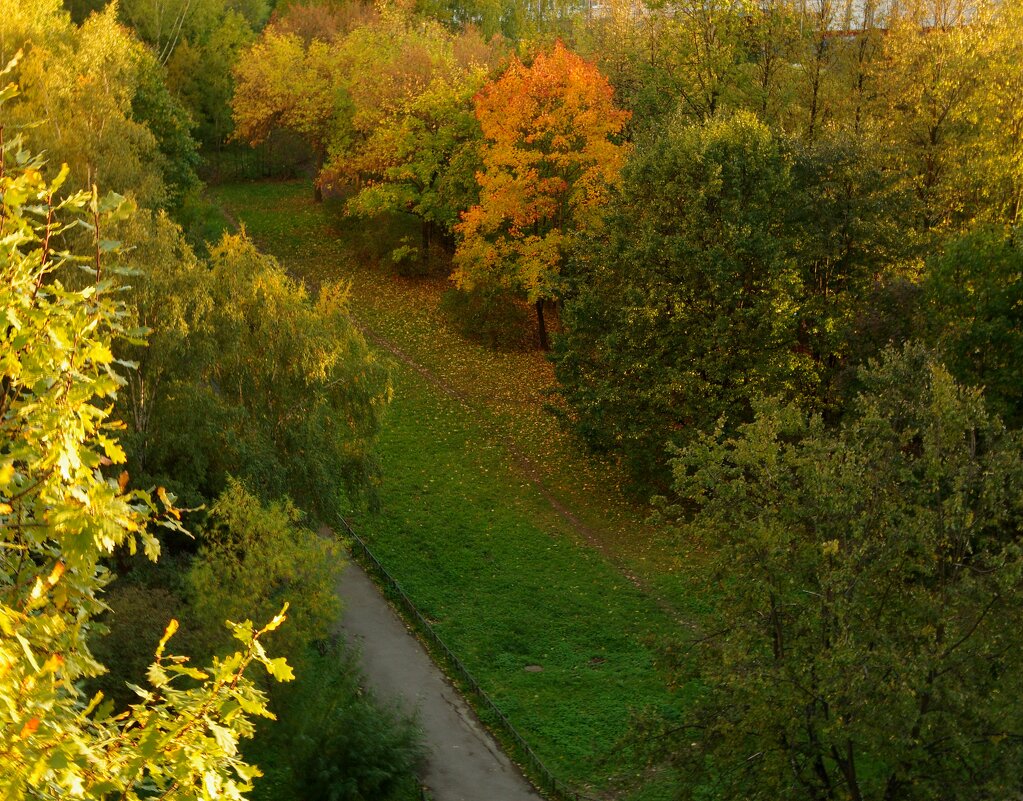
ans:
(929, 75)
(995, 169)
(549, 158)
(281, 83)
(412, 134)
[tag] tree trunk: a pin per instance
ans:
(541, 326)
(425, 232)
(317, 189)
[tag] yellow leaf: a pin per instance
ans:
(167, 634)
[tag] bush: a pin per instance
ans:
(343, 744)
(256, 557)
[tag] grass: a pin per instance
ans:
(506, 578)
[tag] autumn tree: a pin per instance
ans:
(102, 103)
(549, 159)
(929, 71)
(412, 140)
(995, 169)
(281, 83)
(323, 19)
(65, 506)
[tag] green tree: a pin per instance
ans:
(200, 73)
(686, 306)
(63, 509)
(166, 24)
(864, 591)
(249, 377)
(973, 312)
(258, 558)
(343, 743)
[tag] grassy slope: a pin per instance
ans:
(477, 545)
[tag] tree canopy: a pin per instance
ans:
(863, 585)
(549, 159)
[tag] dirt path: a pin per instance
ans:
(464, 762)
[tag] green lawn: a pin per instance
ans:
(508, 581)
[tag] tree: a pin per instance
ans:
(412, 143)
(280, 83)
(928, 75)
(344, 743)
(685, 308)
(549, 160)
(995, 170)
(249, 377)
(64, 508)
(200, 73)
(104, 107)
(706, 52)
(166, 24)
(864, 591)
(972, 311)
(256, 557)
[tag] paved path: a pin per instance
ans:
(464, 762)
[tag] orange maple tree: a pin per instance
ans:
(550, 156)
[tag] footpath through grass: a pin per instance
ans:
(509, 579)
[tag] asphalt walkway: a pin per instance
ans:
(464, 762)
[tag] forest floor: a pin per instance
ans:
(522, 549)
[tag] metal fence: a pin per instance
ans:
(545, 781)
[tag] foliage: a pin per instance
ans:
(137, 615)
(199, 72)
(548, 162)
(841, 229)
(684, 310)
(927, 86)
(63, 509)
(250, 378)
(166, 118)
(255, 557)
(973, 311)
(165, 25)
(326, 20)
(411, 140)
(280, 82)
(106, 112)
(864, 586)
(995, 173)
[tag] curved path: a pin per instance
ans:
(464, 762)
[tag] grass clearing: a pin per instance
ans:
(507, 579)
